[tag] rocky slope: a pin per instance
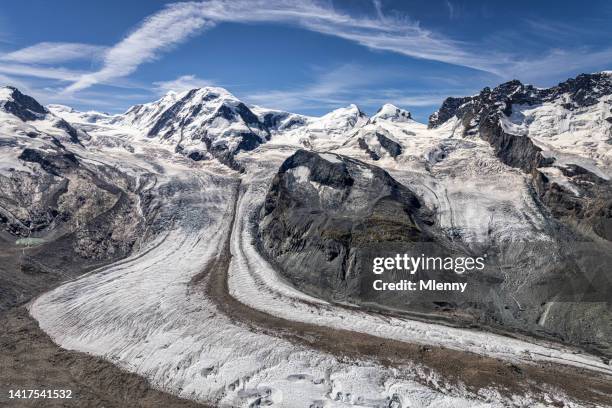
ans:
(60, 214)
(325, 244)
(326, 216)
(562, 138)
(199, 122)
(561, 135)
(327, 252)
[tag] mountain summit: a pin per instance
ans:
(22, 106)
(392, 113)
(199, 121)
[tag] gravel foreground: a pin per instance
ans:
(30, 360)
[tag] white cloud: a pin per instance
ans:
(341, 86)
(557, 62)
(179, 21)
(451, 9)
(46, 72)
(8, 80)
(332, 88)
(391, 33)
(50, 52)
(402, 99)
(182, 83)
(158, 33)
(394, 33)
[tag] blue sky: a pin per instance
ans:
(305, 56)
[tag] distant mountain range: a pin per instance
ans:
(517, 172)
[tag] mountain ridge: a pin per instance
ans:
(498, 176)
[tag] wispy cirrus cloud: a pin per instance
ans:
(394, 33)
(9, 80)
(178, 22)
(158, 33)
(560, 61)
(39, 60)
(331, 88)
(52, 52)
(345, 84)
(405, 98)
(451, 9)
(46, 72)
(379, 30)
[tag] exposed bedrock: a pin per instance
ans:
(326, 217)
(26, 108)
(592, 208)
(22, 106)
(326, 214)
(583, 204)
(198, 119)
(62, 219)
(589, 202)
(394, 148)
(377, 145)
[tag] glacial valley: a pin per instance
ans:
(223, 252)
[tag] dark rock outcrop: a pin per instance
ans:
(364, 145)
(450, 107)
(72, 132)
(324, 214)
(59, 215)
(593, 207)
(391, 146)
(327, 217)
(582, 91)
(582, 205)
(23, 106)
(376, 144)
(282, 120)
(482, 115)
(51, 161)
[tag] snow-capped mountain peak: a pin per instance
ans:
(392, 113)
(6, 93)
(74, 116)
(26, 113)
(22, 106)
(56, 107)
(350, 111)
(198, 122)
(340, 120)
(144, 116)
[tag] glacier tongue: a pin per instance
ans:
(143, 314)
